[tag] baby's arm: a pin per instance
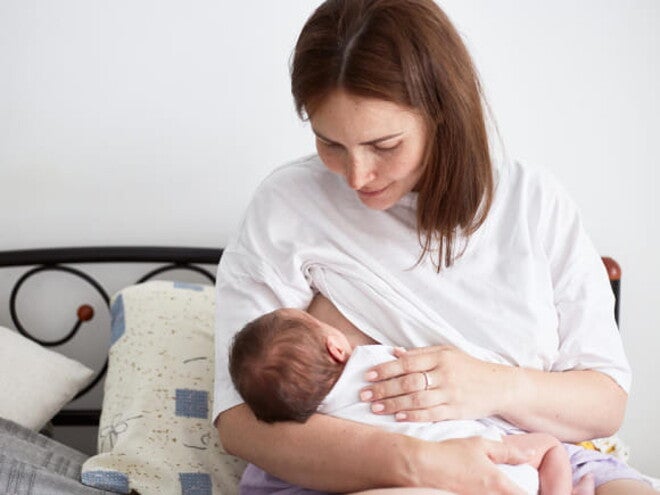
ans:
(549, 456)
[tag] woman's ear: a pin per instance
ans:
(336, 348)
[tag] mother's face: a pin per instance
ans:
(376, 145)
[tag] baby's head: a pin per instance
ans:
(284, 363)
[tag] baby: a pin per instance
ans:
(287, 365)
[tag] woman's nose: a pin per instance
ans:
(359, 172)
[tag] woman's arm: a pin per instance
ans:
(571, 405)
(335, 455)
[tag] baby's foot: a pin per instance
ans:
(585, 486)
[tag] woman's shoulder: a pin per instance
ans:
(299, 192)
(530, 198)
(305, 181)
(531, 178)
(528, 184)
(305, 171)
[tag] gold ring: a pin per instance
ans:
(427, 381)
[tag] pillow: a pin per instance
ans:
(155, 432)
(35, 382)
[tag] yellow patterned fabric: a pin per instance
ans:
(611, 445)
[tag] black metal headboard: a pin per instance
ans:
(61, 259)
(169, 258)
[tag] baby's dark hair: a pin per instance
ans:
(280, 366)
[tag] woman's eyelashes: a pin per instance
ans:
(381, 148)
(329, 145)
(386, 148)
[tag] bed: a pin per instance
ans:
(153, 380)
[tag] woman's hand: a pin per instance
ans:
(436, 384)
(466, 466)
(462, 387)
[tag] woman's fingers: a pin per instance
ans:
(503, 453)
(432, 414)
(400, 351)
(416, 360)
(409, 390)
(423, 399)
(433, 378)
(418, 406)
(406, 384)
(471, 463)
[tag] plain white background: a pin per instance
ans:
(152, 122)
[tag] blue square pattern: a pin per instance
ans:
(113, 481)
(187, 286)
(192, 403)
(118, 320)
(195, 484)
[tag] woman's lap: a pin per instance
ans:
(256, 481)
(604, 468)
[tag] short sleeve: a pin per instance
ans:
(258, 273)
(588, 334)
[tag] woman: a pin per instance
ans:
(405, 217)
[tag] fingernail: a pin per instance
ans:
(377, 407)
(400, 416)
(371, 375)
(366, 395)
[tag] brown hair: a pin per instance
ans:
(408, 52)
(280, 367)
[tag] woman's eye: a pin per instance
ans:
(331, 146)
(382, 148)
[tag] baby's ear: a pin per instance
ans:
(336, 349)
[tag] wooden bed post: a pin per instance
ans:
(614, 272)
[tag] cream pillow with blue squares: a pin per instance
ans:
(155, 433)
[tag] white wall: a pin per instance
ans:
(151, 122)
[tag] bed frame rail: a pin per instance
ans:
(60, 259)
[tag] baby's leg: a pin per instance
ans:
(585, 486)
(547, 455)
(403, 491)
(625, 487)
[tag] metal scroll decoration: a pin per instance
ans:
(184, 259)
(84, 313)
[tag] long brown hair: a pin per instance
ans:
(408, 52)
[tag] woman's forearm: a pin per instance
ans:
(325, 453)
(335, 455)
(441, 382)
(571, 405)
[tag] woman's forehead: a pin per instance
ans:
(342, 115)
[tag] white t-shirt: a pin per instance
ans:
(529, 290)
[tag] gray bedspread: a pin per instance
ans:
(32, 464)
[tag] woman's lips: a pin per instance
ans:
(371, 193)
